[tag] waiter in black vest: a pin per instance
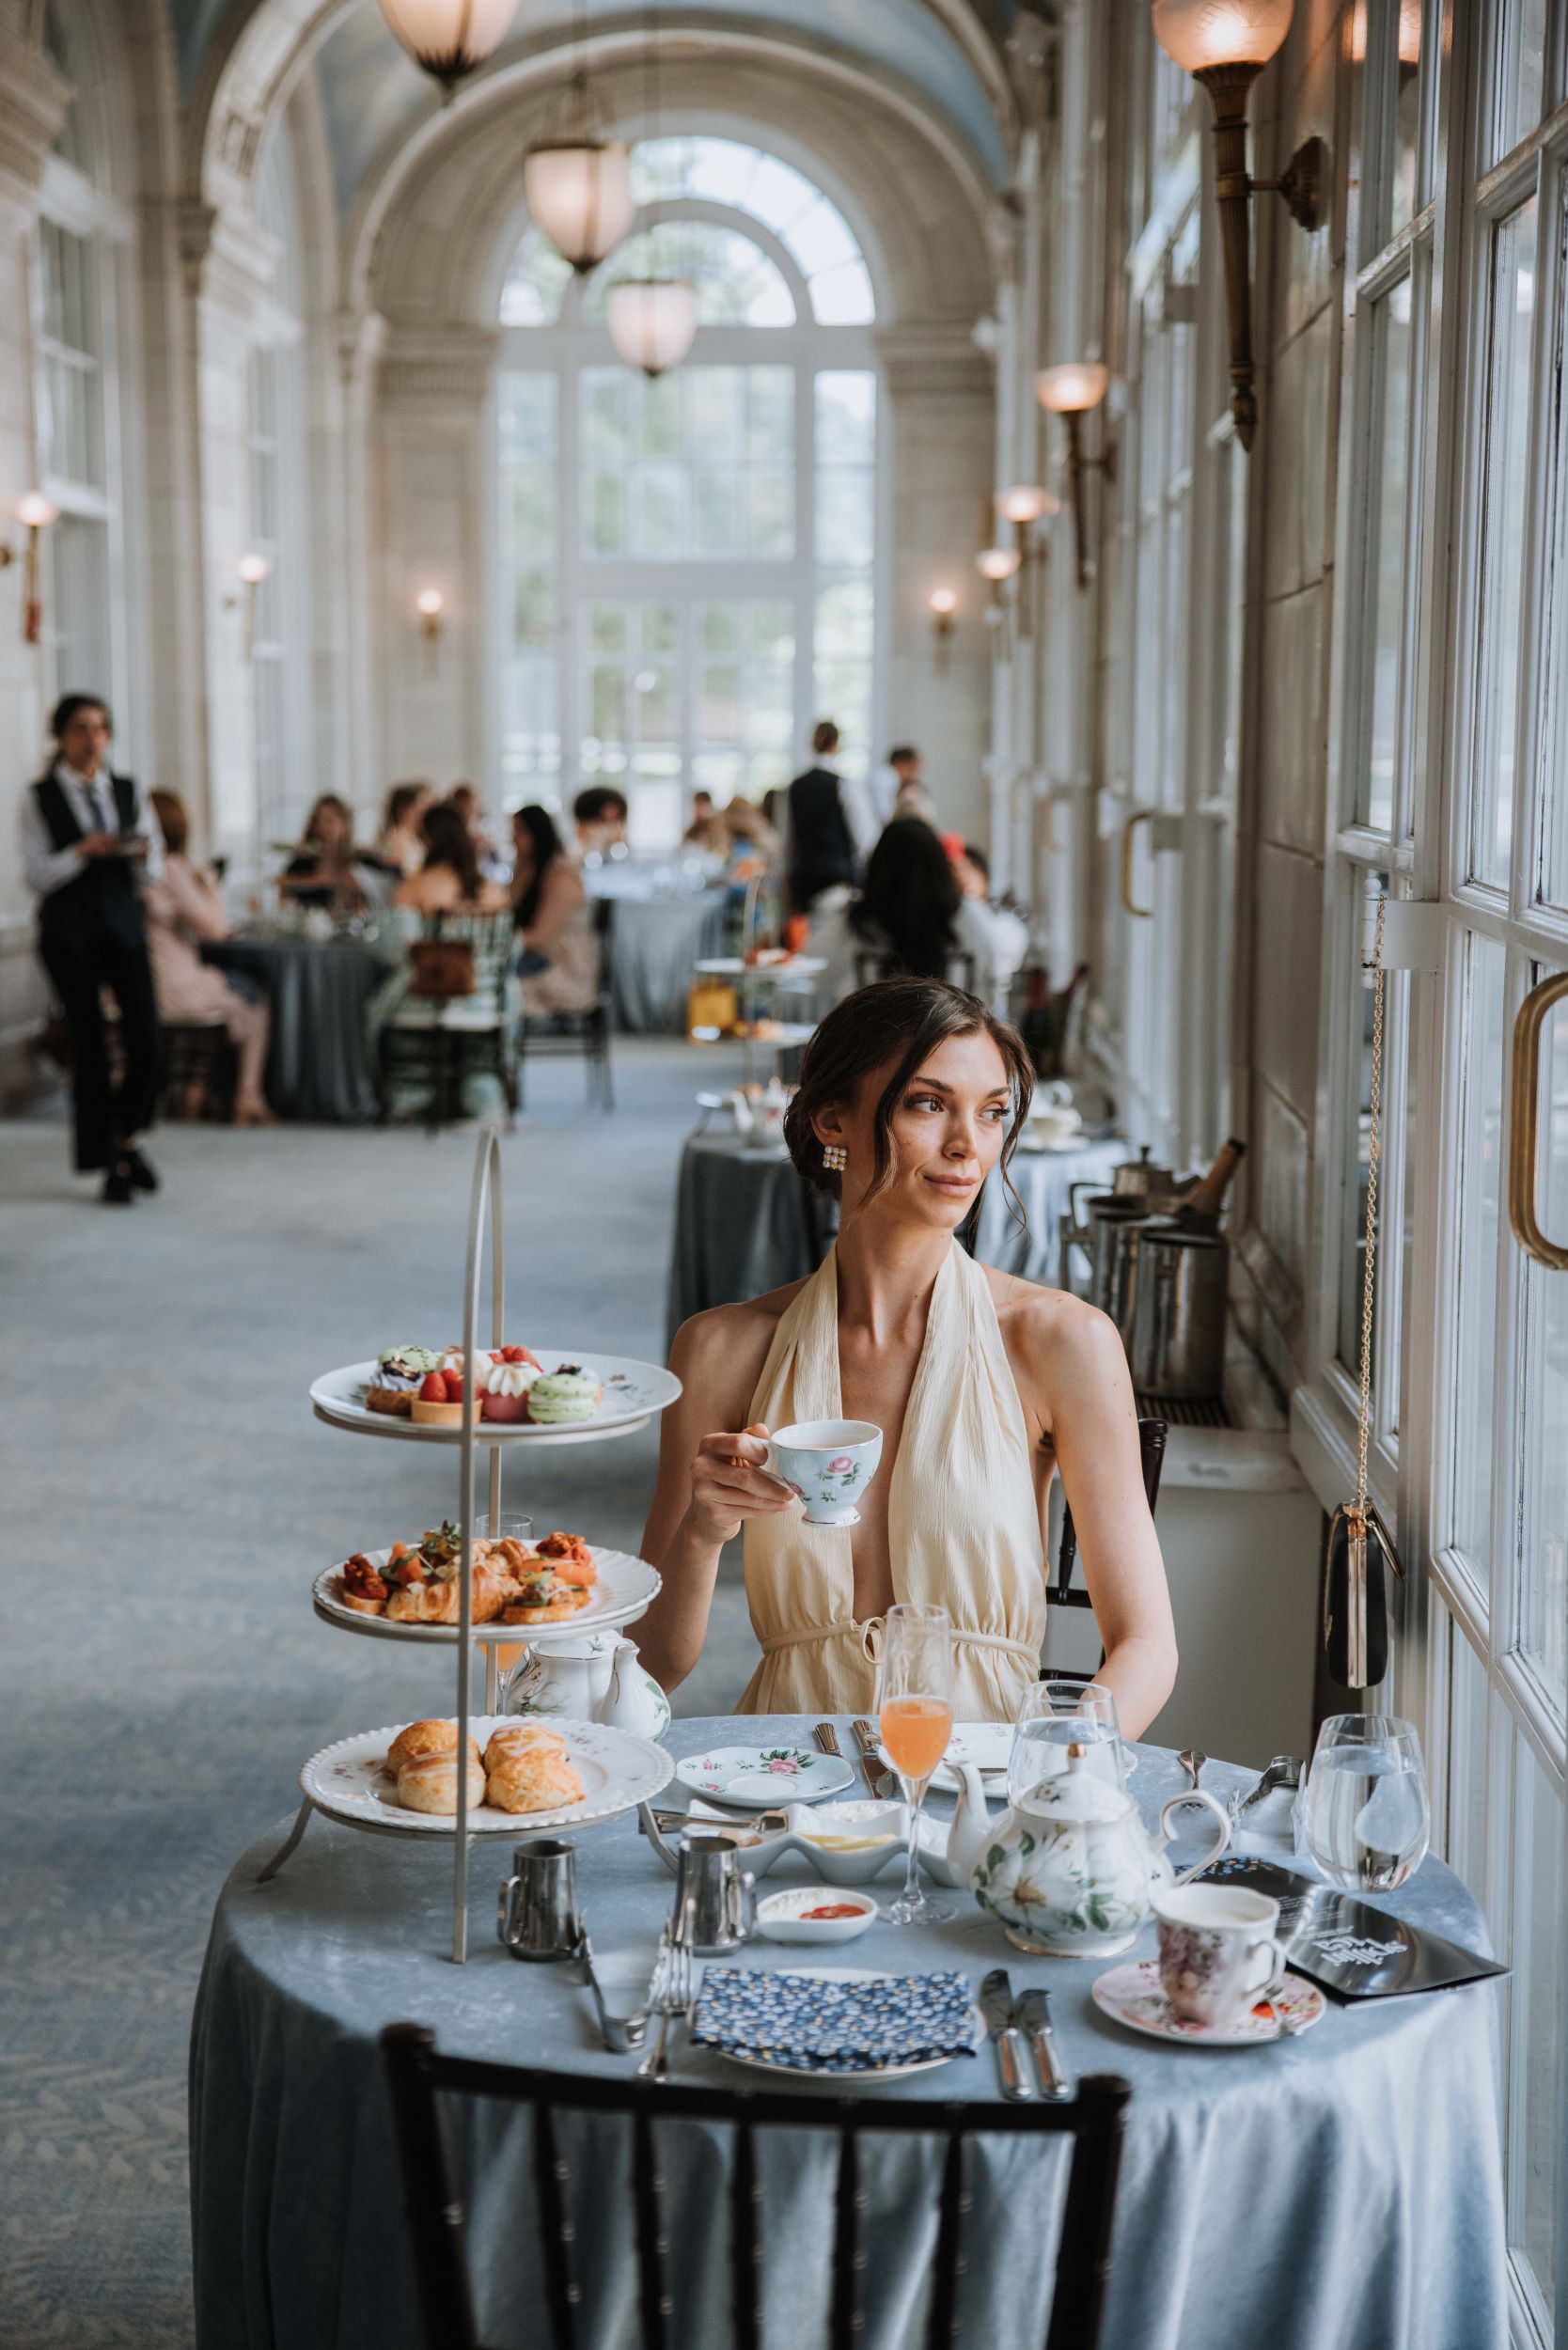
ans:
(822, 845)
(87, 840)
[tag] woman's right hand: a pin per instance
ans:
(730, 1483)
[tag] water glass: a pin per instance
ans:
(914, 1701)
(1365, 1811)
(1057, 1715)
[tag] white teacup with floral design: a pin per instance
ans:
(829, 1463)
(1219, 1952)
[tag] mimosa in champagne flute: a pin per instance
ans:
(916, 1706)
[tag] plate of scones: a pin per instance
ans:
(519, 1586)
(545, 1774)
(519, 1393)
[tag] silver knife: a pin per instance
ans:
(995, 1998)
(1034, 2014)
(881, 1781)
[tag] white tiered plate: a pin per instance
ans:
(626, 1590)
(633, 1393)
(731, 967)
(617, 1771)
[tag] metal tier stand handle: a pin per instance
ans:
(486, 1192)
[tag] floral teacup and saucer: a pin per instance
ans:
(826, 1463)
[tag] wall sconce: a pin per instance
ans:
(1026, 504)
(35, 513)
(996, 565)
(430, 604)
(944, 604)
(1069, 391)
(254, 568)
(1226, 49)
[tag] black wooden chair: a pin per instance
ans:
(870, 967)
(200, 1070)
(417, 2074)
(553, 1035)
(1061, 1591)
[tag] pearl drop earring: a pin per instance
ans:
(835, 1159)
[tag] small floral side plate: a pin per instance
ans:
(763, 1776)
(1131, 1994)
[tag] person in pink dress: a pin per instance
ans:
(184, 907)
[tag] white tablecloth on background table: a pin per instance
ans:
(1042, 1180)
(1339, 2191)
(743, 1225)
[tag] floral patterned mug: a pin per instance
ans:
(1218, 1955)
(827, 1463)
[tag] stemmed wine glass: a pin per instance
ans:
(1366, 1813)
(914, 1700)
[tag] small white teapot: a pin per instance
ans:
(590, 1676)
(1071, 1869)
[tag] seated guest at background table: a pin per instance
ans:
(914, 915)
(749, 839)
(706, 830)
(822, 843)
(401, 847)
(983, 1385)
(449, 881)
(325, 870)
(463, 797)
(599, 814)
(554, 924)
(89, 843)
(184, 906)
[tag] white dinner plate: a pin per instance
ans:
(633, 1390)
(761, 1778)
(731, 967)
(1131, 1994)
(625, 1589)
(617, 1771)
(870, 2073)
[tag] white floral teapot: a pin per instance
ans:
(590, 1676)
(1071, 1869)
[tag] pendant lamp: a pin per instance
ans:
(579, 189)
(448, 39)
(652, 322)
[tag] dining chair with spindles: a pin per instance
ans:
(1061, 1591)
(418, 2075)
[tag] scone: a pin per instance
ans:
(518, 1737)
(533, 1778)
(423, 1738)
(430, 1782)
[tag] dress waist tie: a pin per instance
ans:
(869, 1631)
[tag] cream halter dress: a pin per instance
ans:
(963, 1522)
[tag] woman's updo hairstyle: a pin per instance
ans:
(902, 1020)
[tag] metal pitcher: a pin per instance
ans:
(537, 1913)
(1108, 1237)
(715, 1899)
(1177, 1344)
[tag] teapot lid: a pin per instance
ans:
(1077, 1794)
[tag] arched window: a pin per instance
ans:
(687, 564)
(280, 638)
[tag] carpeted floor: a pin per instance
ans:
(167, 1499)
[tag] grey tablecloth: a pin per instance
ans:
(1041, 1178)
(655, 944)
(743, 1225)
(1341, 2191)
(318, 989)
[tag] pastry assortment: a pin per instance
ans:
(514, 1582)
(426, 1384)
(527, 1768)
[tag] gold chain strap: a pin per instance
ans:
(1363, 1433)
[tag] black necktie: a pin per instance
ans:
(100, 818)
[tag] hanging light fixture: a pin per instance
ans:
(448, 39)
(578, 181)
(1069, 391)
(652, 322)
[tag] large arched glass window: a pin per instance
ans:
(280, 642)
(687, 564)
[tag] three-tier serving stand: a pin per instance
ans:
(474, 1437)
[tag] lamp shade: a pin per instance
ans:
(429, 602)
(652, 322)
(579, 192)
(997, 563)
(1026, 503)
(1202, 33)
(449, 38)
(35, 512)
(254, 568)
(944, 602)
(1078, 385)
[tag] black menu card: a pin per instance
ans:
(1352, 1950)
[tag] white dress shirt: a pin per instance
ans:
(92, 802)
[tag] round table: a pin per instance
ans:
(318, 990)
(744, 1224)
(1340, 2191)
(1043, 1180)
(655, 945)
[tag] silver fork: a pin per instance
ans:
(669, 1995)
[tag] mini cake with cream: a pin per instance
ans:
(399, 1375)
(504, 1381)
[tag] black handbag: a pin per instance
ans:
(1360, 1548)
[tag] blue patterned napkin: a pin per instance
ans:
(809, 2026)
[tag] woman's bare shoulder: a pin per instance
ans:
(1054, 1337)
(724, 1333)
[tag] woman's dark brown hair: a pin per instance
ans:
(173, 823)
(902, 1020)
(911, 899)
(449, 841)
(341, 808)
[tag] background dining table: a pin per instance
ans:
(745, 1224)
(318, 989)
(658, 934)
(1337, 2191)
(1024, 1235)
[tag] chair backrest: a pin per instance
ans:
(492, 938)
(1094, 2119)
(871, 964)
(1061, 1591)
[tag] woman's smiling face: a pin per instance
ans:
(945, 1133)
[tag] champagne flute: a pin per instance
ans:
(914, 1701)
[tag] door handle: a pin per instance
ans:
(1524, 1104)
(1140, 816)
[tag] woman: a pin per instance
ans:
(184, 906)
(982, 1384)
(321, 871)
(559, 962)
(449, 880)
(914, 915)
(400, 848)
